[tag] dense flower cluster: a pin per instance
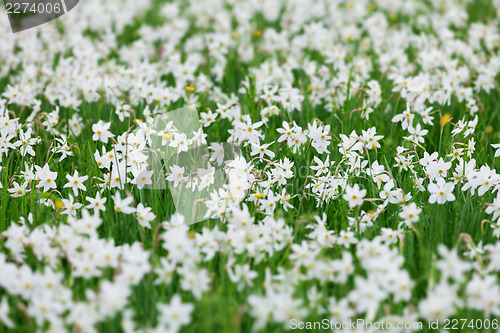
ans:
(366, 184)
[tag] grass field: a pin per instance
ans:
(366, 186)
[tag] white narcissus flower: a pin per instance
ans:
(180, 141)
(438, 169)
(76, 183)
(417, 133)
(286, 133)
(497, 146)
(75, 124)
(459, 127)
(284, 200)
(386, 191)
(406, 118)
(47, 178)
(88, 224)
(346, 238)
(123, 205)
(269, 94)
(197, 281)
(290, 98)
(261, 150)
(4, 313)
(62, 149)
(143, 178)
(144, 215)
(218, 152)
(371, 138)
(321, 233)
(269, 111)
(389, 236)
(71, 207)
(397, 196)
(441, 192)
(101, 131)
(494, 208)
(18, 190)
(403, 286)
(175, 314)
(123, 111)
(26, 142)
(321, 167)
(268, 203)
(165, 271)
(471, 126)
(96, 203)
(379, 174)
(319, 135)
(248, 131)
(354, 195)
(208, 117)
(426, 117)
(242, 275)
(471, 147)
(374, 93)
(410, 214)
(206, 177)
(176, 175)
